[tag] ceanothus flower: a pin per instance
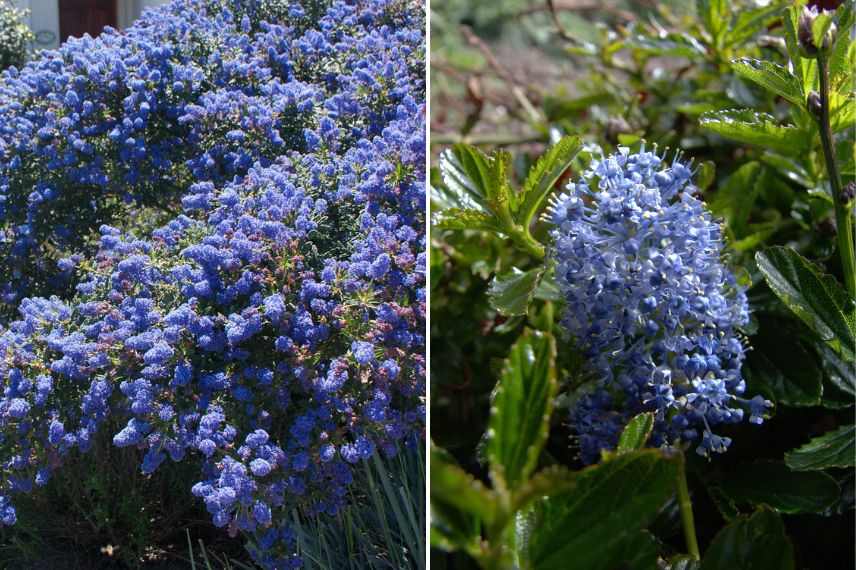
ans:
(648, 299)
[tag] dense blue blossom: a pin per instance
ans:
(649, 301)
(272, 331)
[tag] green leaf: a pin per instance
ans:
(735, 199)
(459, 503)
(751, 22)
(670, 44)
(544, 175)
(521, 405)
(773, 484)
(553, 480)
(757, 129)
(834, 449)
(840, 374)
(772, 77)
(557, 109)
(591, 526)
(461, 220)
(511, 293)
(636, 433)
(815, 298)
(781, 367)
(751, 543)
(465, 170)
(714, 14)
(706, 174)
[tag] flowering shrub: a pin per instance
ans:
(15, 36)
(193, 92)
(273, 330)
(648, 301)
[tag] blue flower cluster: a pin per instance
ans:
(273, 330)
(638, 260)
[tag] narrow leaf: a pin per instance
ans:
(521, 405)
(544, 175)
(636, 433)
(834, 449)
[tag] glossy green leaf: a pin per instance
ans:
(511, 293)
(636, 433)
(772, 77)
(781, 367)
(774, 484)
(756, 129)
(543, 177)
(834, 449)
(521, 405)
(461, 220)
(459, 503)
(591, 526)
(757, 542)
(839, 373)
(465, 171)
(815, 298)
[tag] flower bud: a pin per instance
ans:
(813, 103)
(804, 33)
(848, 193)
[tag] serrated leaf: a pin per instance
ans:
(465, 173)
(521, 405)
(511, 293)
(834, 449)
(815, 298)
(751, 543)
(461, 220)
(636, 433)
(839, 373)
(757, 129)
(683, 563)
(772, 77)
(780, 366)
(773, 484)
(543, 176)
(459, 503)
(591, 526)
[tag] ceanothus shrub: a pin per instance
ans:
(273, 331)
(197, 90)
(649, 301)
